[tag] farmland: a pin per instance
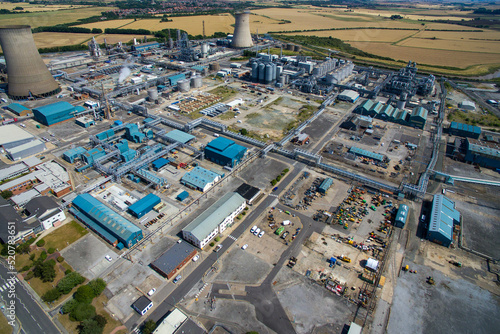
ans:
(36, 7)
(362, 35)
(53, 39)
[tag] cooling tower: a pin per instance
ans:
(241, 36)
(27, 73)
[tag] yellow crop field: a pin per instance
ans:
(444, 26)
(107, 24)
(192, 24)
(454, 15)
(53, 39)
(35, 7)
(115, 38)
(51, 18)
(460, 35)
(362, 35)
(427, 56)
(455, 45)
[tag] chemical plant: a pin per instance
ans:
(213, 172)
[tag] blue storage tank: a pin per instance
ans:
(262, 72)
(255, 71)
(269, 73)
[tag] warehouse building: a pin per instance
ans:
(464, 130)
(418, 117)
(249, 193)
(401, 216)
(180, 136)
(325, 185)
(467, 105)
(482, 154)
(145, 46)
(18, 109)
(182, 196)
(443, 217)
(56, 113)
(12, 136)
(348, 95)
(301, 139)
(200, 179)
(174, 78)
(91, 155)
(214, 220)
(366, 154)
(46, 211)
(25, 150)
(170, 262)
(112, 227)
(158, 164)
(224, 152)
(144, 205)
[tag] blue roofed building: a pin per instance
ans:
(224, 152)
(174, 78)
(364, 108)
(144, 205)
(214, 220)
(418, 117)
(464, 130)
(111, 226)
(366, 154)
(93, 154)
(55, 113)
(132, 133)
(145, 46)
(18, 109)
(180, 136)
(483, 154)
(325, 185)
(182, 196)
(443, 217)
(73, 154)
(401, 216)
(160, 163)
(200, 179)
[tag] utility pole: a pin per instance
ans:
(203, 29)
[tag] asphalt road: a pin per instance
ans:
(31, 316)
(188, 282)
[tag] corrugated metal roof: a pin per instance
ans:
(74, 152)
(465, 127)
(180, 136)
(199, 177)
(55, 108)
(109, 219)
(325, 185)
(27, 146)
(17, 108)
(210, 219)
(365, 153)
(12, 133)
(182, 196)
(368, 105)
(402, 214)
(220, 143)
(144, 204)
(419, 112)
(7, 173)
(173, 257)
(377, 108)
(484, 150)
(442, 216)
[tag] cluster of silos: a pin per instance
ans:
(325, 67)
(292, 47)
(265, 72)
(184, 85)
(196, 81)
(153, 95)
(340, 73)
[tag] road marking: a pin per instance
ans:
(230, 236)
(1, 290)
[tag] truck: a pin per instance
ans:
(332, 262)
(279, 230)
(345, 258)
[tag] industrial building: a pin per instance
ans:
(180, 136)
(145, 46)
(158, 164)
(142, 305)
(418, 117)
(55, 113)
(241, 36)
(348, 95)
(464, 130)
(28, 76)
(73, 154)
(366, 154)
(144, 205)
(248, 192)
(112, 227)
(23, 230)
(401, 216)
(354, 122)
(18, 109)
(442, 220)
(214, 220)
(182, 196)
(25, 150)
(482, 154)
(224, 152)
(12, 136)
(301, 139)
(200, 179)
(325, 185)
(85, 121)
(170, 262)
(467, 105)
(177, 322)
(46, 210)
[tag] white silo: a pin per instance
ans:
(269, 73)
(204, 50)
(255, 71)
(279, 70)
(262, 71)
(153, 94)
(274, 71)
(196, 81)
(183, 85)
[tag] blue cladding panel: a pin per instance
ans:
(144, 205)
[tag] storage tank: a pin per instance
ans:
(289, 46)
(153, 94)
(330, 79)
(281, 80)
(255, 71)
(269, 73)
(196, 81)
(214, 67)
(296, 48)
(279, 70)
(183, 85)
(204, 50)
(274, 71)
(262, 71)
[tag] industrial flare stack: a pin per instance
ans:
(28, 75)
(241, 35)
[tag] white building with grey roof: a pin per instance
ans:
(214, 220)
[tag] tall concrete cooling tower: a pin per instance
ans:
(241, 36)
(27, 73)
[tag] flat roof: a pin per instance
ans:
(174, 256)
(247, 191)
(12, 133)
(200, 177)
(210, 219)
(6, 173)
(24, 197)
(55, 108)
(171, 322)
(26, 146)
(32, 161)
(180, 136)
(142, 302)
(19, 180)
(220, 143)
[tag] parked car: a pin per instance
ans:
(252, 230)
(150, 293)
(261, 234)
(257, 231)
(218, 248)
(177, 279)
(196, 257)
(108, 258)
(245, 246)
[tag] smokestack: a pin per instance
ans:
(27, 73)
(241, 35)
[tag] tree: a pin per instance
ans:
(60, 259)
(69, 306)
(244, 132)
(45, 271)
(101, 320)
(82, 311)
(43, 256)
(23, 248)
(90, 326)
(84, 294)
(40, 243)
(98, 285)
(51, 295)
(149, 327)
(6, 194)
(68, 282)
(51, 250)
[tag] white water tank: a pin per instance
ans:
(196, 81)
(153, 94)
(184, 85)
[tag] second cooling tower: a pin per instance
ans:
(28, 75)
(241, 35)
